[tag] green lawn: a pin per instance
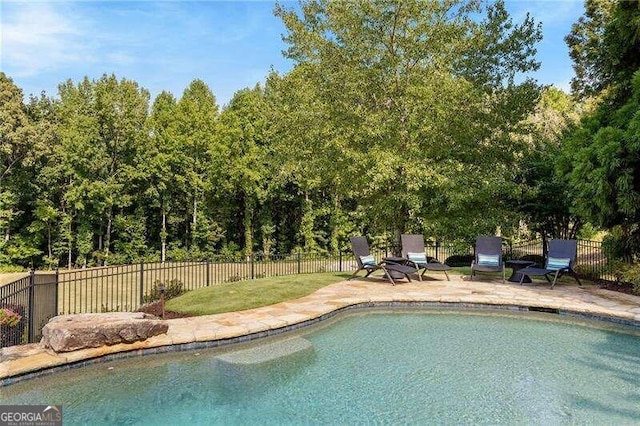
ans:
(241, 295)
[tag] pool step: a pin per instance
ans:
(267, 352)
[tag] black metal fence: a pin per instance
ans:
(125, 288)
(40, 296)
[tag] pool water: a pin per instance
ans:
(409, 367)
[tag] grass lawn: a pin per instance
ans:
(241, 295)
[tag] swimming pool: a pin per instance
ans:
(379, 367)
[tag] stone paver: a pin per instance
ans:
(19, 360)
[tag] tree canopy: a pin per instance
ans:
(418, 99)
(398, 116)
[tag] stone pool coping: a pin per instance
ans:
(19, 363)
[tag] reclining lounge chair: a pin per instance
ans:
(560, 260)
(366, 262)
(488, 256)
(413, 250)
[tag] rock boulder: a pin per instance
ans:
(72, 332)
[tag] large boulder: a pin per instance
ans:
(72, 332)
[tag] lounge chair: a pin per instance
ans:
(560, 260)
(366, 262)
(488, 256)
(413, 250)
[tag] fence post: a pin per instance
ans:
(32, 290)
(208, 271)
(299, 262)
(56, 292)
(252, 266)
(340, 261)
(141, 283)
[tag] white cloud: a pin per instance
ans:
(37, 37)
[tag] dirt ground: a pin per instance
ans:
(619, 287)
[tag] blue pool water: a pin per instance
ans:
(409, 367)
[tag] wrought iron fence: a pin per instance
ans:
(40, 296)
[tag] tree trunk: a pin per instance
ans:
(107, 241)
(335, 220)
(49, 251)
(70, 246)
(163, 236)
(194, 220)
(248, 225)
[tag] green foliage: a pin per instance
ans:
(170, 289)
(605, 165)
(604, 46)
(602, 156)
(11, 268)
(630, 273)
(406, 126)
(459, 260)
(622, 243)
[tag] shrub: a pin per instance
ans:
(12, 268)
(172, 288)
(586, 271)
(629, 273)
(535, 258)
(9, 318)
(13, 324)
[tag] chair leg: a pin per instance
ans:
(446, 275)
(555, 278)
(354, 274)
(388, 275)
(575, 276)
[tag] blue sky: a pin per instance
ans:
(165, 45)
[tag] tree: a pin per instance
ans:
(243, 135)
(545, 198)
(604, 45)
(16, 143)
(197, 135)
(419, 98)
(602, 155)
(163, 160)
(101, 129)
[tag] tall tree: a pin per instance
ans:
(101, 127)
(163, 160)
(602, 156)
(421, 98)
(197, 135)
(16, 143)
(604, 45)
(244, 127)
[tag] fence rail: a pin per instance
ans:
(38, 297)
